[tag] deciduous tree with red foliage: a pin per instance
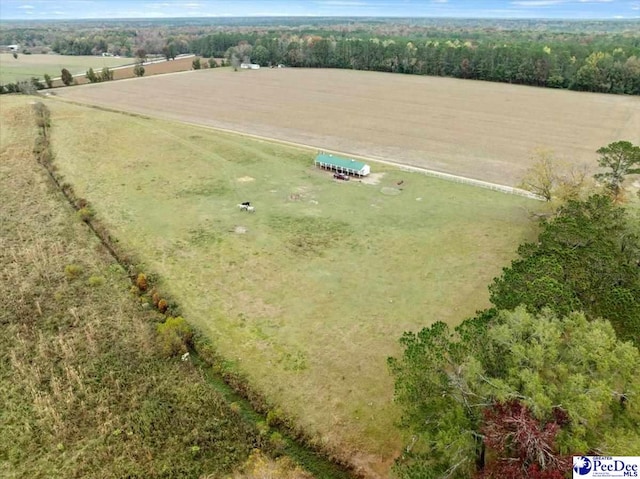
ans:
(519, 445)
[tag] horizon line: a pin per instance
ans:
(397, 17)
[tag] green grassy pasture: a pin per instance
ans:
(308, 295)
(27, 66)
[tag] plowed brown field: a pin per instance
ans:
(481, 130)
(172, 66)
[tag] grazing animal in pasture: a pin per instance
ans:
(246, 206)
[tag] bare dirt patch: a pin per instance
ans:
(634, 187)
(373, 178)
(476, 129)
(245, 179)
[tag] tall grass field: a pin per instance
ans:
(85, 391)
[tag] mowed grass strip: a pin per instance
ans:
(26, 66)
(308, 295)
(84, 392)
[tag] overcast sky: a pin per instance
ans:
(61, 9)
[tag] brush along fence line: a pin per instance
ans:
(285, 437)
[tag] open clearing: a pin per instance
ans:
(480, 130)
(309, 295)
(26, 66)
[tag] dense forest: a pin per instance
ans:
(595, 56)
(608, 64)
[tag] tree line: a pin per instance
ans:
(587, 56)
(548, 372)
(598, 64)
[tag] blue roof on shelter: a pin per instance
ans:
(340, 162)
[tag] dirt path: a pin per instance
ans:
(397, 164)
(469, 129)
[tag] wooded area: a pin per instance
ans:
(607, 64)
(587, 56)
(551, 371)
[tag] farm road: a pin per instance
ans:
(481, 130)
(403, 166)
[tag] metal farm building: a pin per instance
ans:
(342, 165)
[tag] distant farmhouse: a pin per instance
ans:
(342, 165)
(250, 66)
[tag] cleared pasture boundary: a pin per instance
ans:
(233, 387)
(403, 166)
(340, 421)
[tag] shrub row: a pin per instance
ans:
(25, 86)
